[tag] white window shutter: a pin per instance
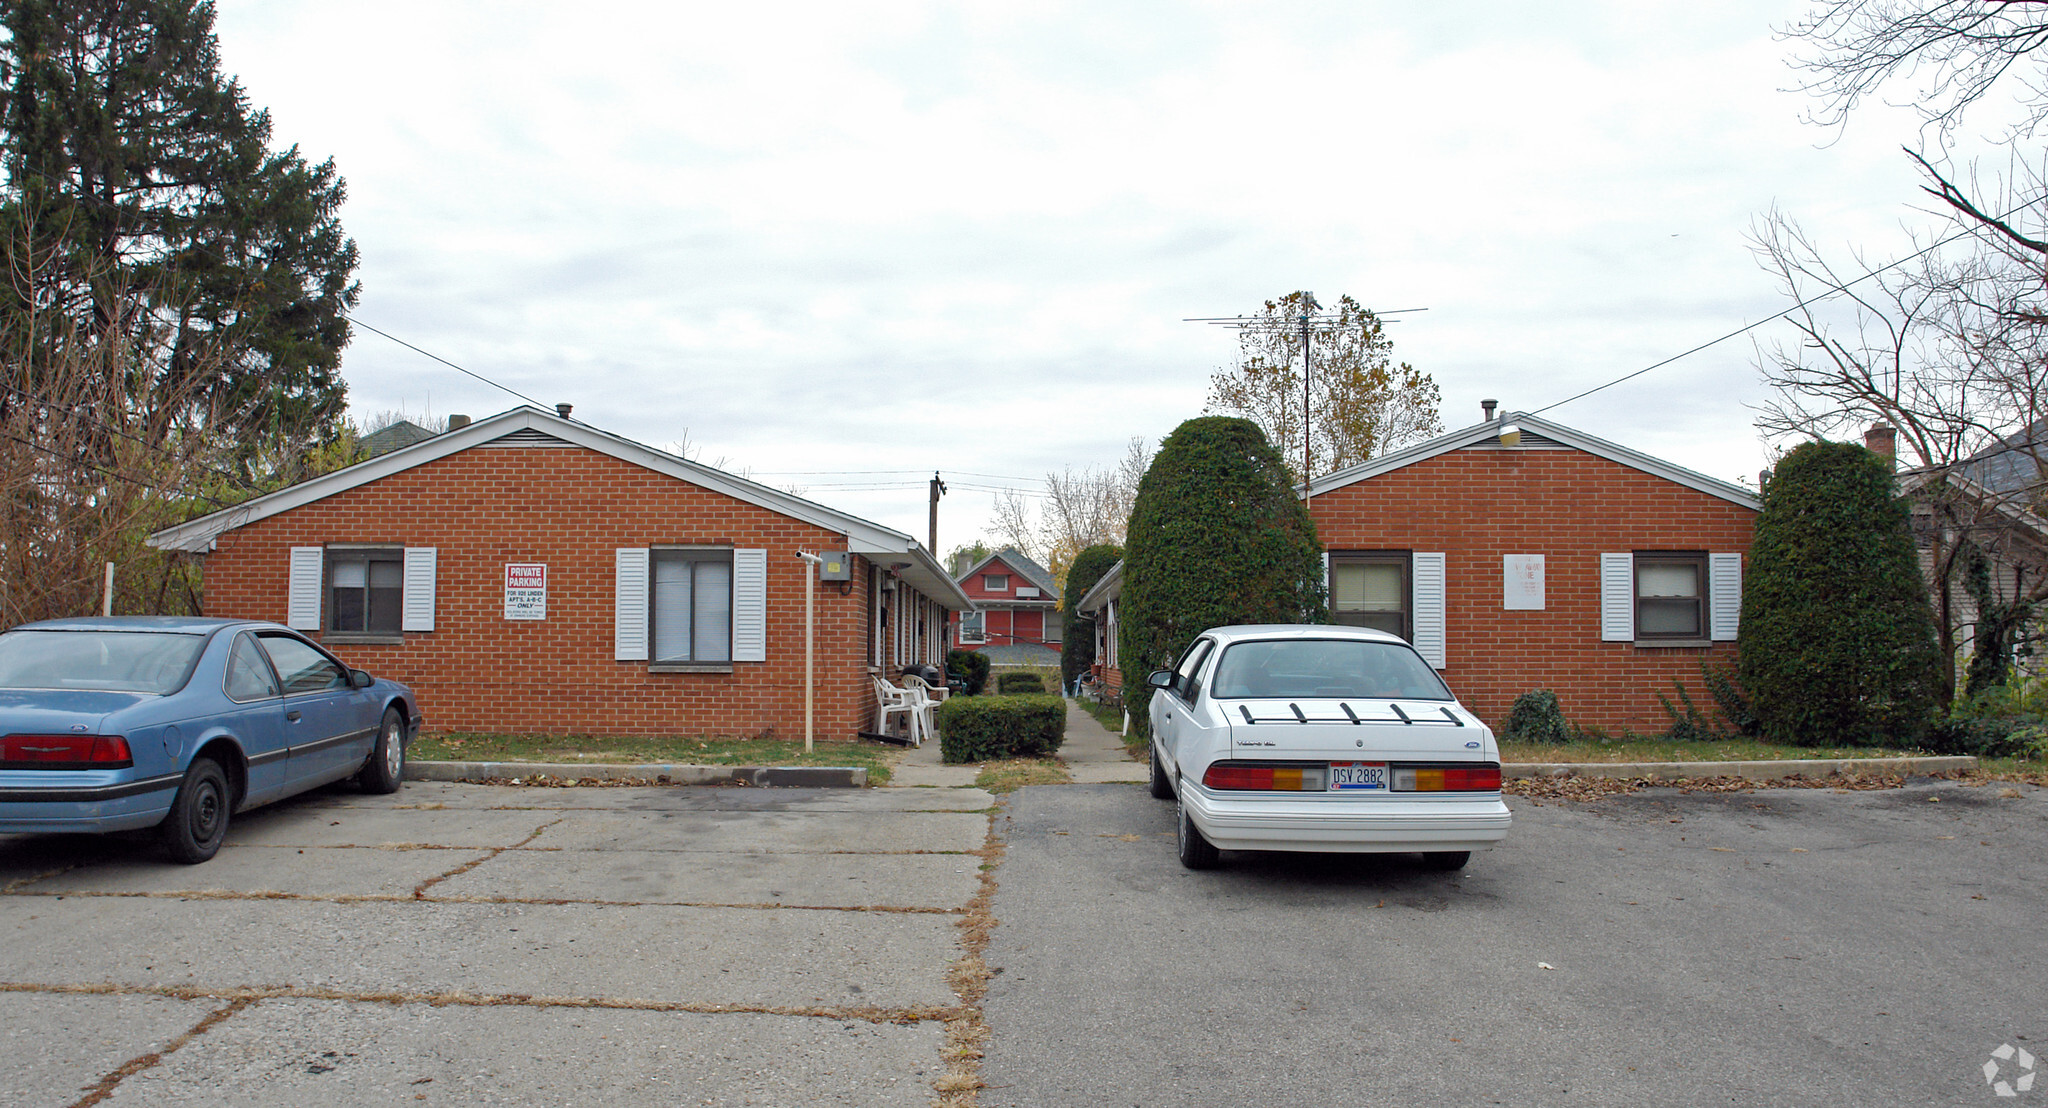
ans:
(1617, 597)
(750, 605)
(1724, 590)
(1427, 584)
(417, 610)
(302, 606)
(629, 606)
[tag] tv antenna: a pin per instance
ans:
(1308, 322)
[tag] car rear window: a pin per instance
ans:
(114, 661)
(1325, 667)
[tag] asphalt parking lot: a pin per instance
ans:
(465, 944)
(1780, 946)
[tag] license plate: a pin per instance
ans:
(1358, 775)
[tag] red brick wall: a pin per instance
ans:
(570, 509)
(1477, 505)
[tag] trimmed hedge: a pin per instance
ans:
(1010, 683)
(971, 666)
(987, 728)
(1077, 646)
(1837, 640)
(1217, 537)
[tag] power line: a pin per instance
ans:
(445, 362)
(1816, 298)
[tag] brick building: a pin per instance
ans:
(530, 573)
(1521, 554)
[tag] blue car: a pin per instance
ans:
(124, 723)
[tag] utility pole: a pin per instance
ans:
(938, 490)
(1308, 320)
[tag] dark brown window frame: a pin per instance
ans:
(1694, 558)
(1402, 558)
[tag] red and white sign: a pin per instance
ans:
(526, 591)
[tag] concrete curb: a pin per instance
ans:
(812, 777)
(1749, 771)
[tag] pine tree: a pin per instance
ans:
(143, 197)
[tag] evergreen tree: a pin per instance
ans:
(1217, 537)
(1837, 638)
(1077, 649)
(144, 200)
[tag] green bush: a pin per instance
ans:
(970, 666)
(986, 728)
(1995, 722)
(1077, 632)
(1837, 643)
(1011, 683)
(1536, 717)
(1217, 537)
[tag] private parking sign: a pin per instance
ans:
(526, 591)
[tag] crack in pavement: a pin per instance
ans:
(967, 1036)
(419, 891)
(35, 877)
(105, 1087)
(243, 996)
(415, 898)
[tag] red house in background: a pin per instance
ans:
(1018, 621)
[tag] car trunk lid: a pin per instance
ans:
(1330, 729)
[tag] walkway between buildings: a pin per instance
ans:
(1092, 752)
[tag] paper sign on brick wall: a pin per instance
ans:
(526, 591)
(1522, 582)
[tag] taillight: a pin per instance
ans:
(1447, 779)
(1257, 778)
(65, 752)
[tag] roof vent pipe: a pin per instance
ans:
(1488, 406)
(563, 410)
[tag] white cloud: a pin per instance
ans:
(908, 236)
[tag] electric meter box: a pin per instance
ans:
(835, 565)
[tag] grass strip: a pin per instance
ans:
(475, 746)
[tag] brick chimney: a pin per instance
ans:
(1882, 439)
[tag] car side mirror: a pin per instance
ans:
(360, 679)
(1160, 678)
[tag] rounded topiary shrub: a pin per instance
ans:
(1217, 537)
(1012, 683)
(971, 666)
(989, 728)
(1077, 632)
(1837, 643)
(1536, 718)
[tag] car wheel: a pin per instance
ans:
(1162, 785)
(1446, 859)
(198, 822)
(1196, 852)
(385, 770)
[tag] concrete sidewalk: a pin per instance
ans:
(1093, 755)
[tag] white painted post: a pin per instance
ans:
(107, 600)
(812, 562)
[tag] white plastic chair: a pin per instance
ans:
(929, 700)
(937, 694)
(908, 703)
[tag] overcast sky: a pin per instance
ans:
(845, 244)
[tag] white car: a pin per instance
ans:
(1321, 738)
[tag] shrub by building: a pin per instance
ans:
(1217, 536)
(1838, 641)
(988, 728)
